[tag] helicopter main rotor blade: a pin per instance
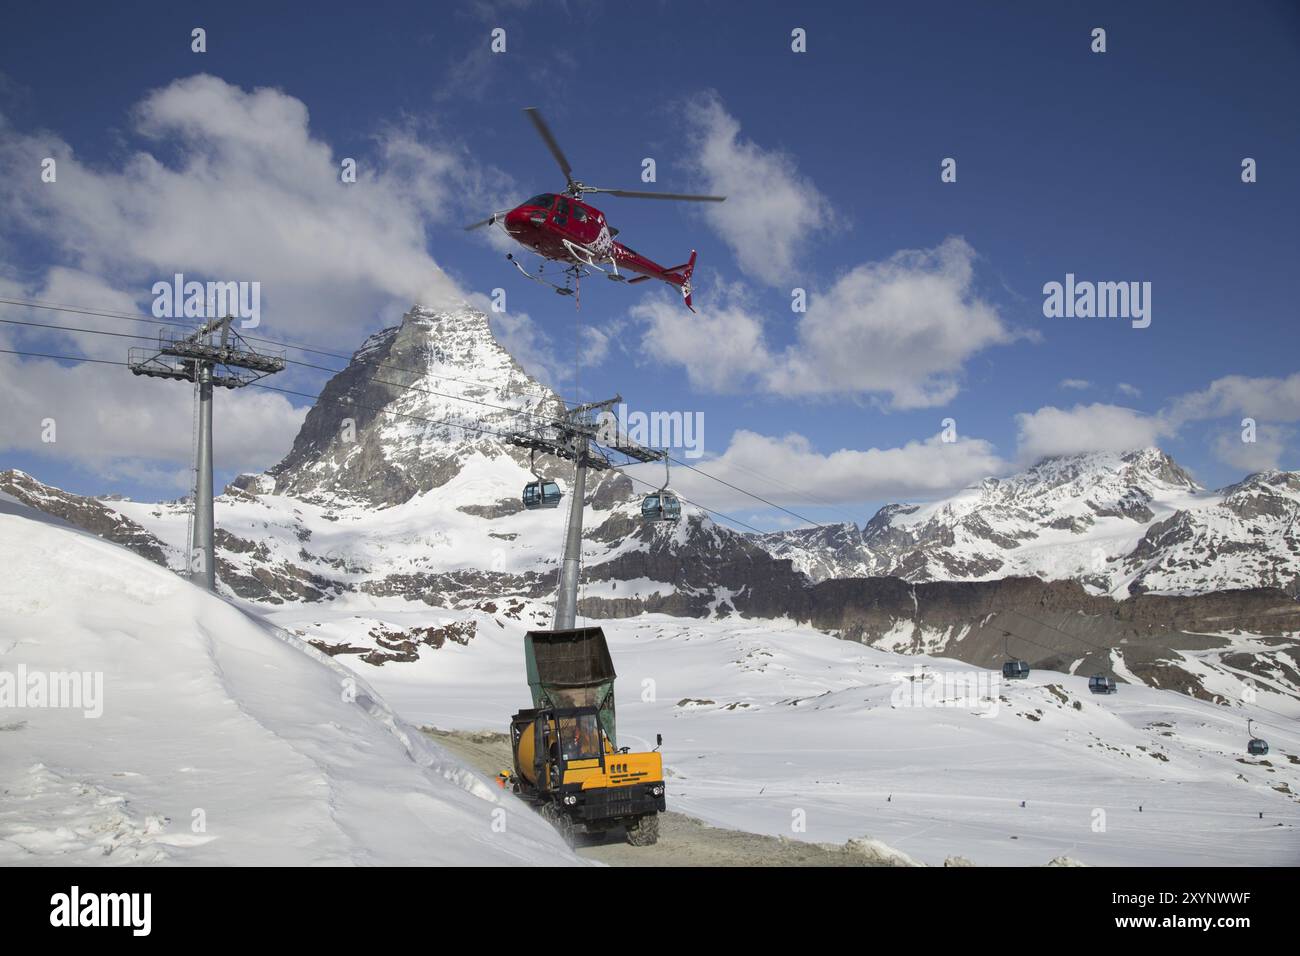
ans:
(640, 194)
(548, 137)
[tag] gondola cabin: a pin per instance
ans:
(661, 506)
(542, 494)
(1101, 684)
(1015, 670)
(1257, 747)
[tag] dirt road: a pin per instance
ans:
(683, 840)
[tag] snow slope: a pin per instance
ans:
(766, 723)
(221, 741)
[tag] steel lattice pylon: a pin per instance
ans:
(577, 437)
(228, 362)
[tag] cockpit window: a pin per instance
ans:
(561, 215)
(579, 737)
(544, 200)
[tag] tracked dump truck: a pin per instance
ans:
(567, 761)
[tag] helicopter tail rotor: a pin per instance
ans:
(685, 279)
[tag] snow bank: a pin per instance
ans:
(221, 741)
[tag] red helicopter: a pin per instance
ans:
(560, 227)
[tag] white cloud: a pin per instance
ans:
(798, 475)
(1132, 391)
(1266, 401)
(1263, 454)
(536, 351)
(904, 327)
(1263, 398)
(771, 209)
(235, 186)
(595, 346)
(1075, 384)
(1086, 428)
(1104, 427)
(107, 420)
(64, 286)
(232, 185)
(721, 348)
(529, 346)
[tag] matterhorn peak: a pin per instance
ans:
(416, 400)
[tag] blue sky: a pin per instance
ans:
(1119, 166)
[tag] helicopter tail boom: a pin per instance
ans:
(679, 276)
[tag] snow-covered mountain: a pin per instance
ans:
(1119, 523)
(143, 720)
(401, 481)
(417, 404)
(820, 553)
(1246, 536)
(402, 486)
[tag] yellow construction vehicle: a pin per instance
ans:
(567, 761)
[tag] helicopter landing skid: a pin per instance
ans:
(587, 258)
(572, 272)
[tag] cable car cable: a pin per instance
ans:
(37, 304)
(128, 335)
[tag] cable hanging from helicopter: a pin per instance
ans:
(561, 227)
